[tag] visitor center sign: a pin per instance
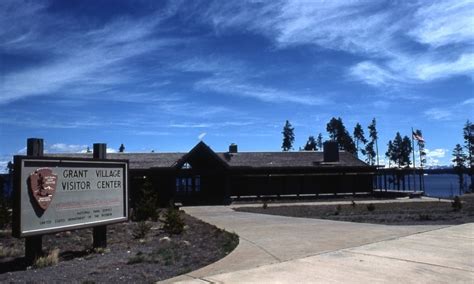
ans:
(58, 194)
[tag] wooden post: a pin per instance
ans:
(99, 233)
(34, 244)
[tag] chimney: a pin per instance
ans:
(233, 148)
(331, 151)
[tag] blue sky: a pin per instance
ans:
(160, 75)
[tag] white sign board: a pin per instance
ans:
(58, 194)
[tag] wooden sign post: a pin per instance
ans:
(99, 233)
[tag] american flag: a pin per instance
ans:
(418, 137)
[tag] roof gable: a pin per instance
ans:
(201, 156)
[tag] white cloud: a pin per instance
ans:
(230, 86)
(373, 74)
(78, 60)
(201, 136)
(434, 156)
(439, 113)
(67, 148)
(445, 22)
(380, 32)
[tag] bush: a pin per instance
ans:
(173, 222)
(370, 207)
(141, 230)
(5, 214)
(457, 204)
(147, 203)
(51, 259)
(265, 205)
(338, 210)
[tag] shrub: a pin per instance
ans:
(147, 203)
(265, 205)
(138, 258)
(51, 259)
(456, 204)
(370, 207)
(338, 210)
(173, 222)
(141, 230)
(5, 213)
(231, 240)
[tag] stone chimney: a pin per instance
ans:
(233, 148)
(331, 151)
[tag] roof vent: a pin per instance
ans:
(331, 151)
(233, 148)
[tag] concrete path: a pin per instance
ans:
(277, 249)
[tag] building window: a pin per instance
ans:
(197, 183)
(186, 166)
(188, 184)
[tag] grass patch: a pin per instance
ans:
(51, 259)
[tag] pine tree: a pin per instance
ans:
(468, 134)
(359, 137)
(288, 137)
(406, 151)
(459, 162)
(121, 148)
(370, 153)
(374, 137)
(400, 150)
(421, 148)
(337, 132)
(311, 144)
(319, 142)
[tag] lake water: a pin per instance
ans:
(444, 185)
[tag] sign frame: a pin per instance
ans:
(62, 161)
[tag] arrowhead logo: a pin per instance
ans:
(43, 186)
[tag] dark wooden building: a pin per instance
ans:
(203, 176)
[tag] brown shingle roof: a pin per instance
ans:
(288, 159)
(241, 159)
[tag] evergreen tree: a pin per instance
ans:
(121, 148)
(288, 137)
(459, 162)
(311, 144)
(359, 137)
(421, 148)
(468, 134)
(399, 150)
(374, 137)
(337, 132)
(369, 153)
(319, 142)
(390, 154)
(406, 151)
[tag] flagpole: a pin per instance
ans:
(414, 161)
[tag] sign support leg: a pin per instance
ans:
(34, 244)
(99, 233)
(33, 248)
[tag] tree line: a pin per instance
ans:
(354, 144)
(399, 150)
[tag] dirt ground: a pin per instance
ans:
(155, 257)
(409, 213)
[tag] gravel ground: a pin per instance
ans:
(156, 257)
(409, 213)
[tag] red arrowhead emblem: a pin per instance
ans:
(43, 186)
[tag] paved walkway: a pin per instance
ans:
(277, 249)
